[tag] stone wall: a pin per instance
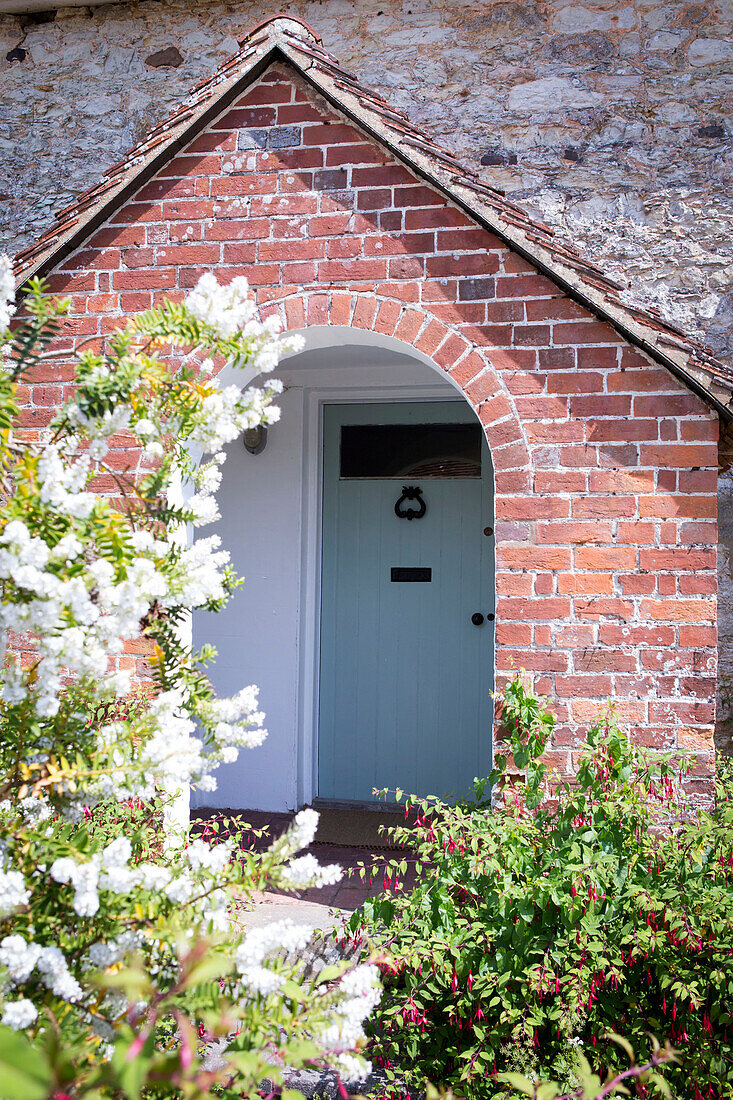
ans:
(610, 119)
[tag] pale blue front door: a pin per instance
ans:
(405, 672)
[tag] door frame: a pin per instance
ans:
(312, 519)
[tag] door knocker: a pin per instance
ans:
(410, 492)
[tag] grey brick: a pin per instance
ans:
(252, 139)
(283, 137)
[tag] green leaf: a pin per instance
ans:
(548, 1091)
(24, 1072)
(132, 1067)
(214, 965)
(526, 910)
(294, 991)
(329, 974)
(661, 1084)
(518, 1083)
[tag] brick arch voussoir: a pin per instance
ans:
(468, 366)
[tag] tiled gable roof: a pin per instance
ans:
(284, 38)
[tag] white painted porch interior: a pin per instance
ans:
(270, 507)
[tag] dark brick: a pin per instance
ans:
(714, 130)
(497, 156)
(330, 179)
(470, 290)
(169, 58)
(390, 220)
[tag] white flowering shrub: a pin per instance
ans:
(124, 967)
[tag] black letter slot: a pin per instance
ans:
(400, 573)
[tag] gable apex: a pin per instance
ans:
(283, 38)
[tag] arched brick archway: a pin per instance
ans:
(452, 352)
(341, 326)
(486, 392)
(604, 570)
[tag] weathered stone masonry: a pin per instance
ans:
(605, 464)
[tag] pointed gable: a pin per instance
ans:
(222, 116)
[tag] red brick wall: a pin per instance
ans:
(605, 465)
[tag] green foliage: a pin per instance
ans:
(538, 927)
(589, 1084)
(125, 967)
(140, 821)
(530, 728)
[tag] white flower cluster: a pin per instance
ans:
(198, 575)
(306, 872)
(230, 310)
(103, 954)
(99, 429)
(13, 892)
(61, 482)
(22, 958)
(106, 870)
(203, 509)
(193, 574)
(347, 1003)
(19, 1014)
(7, 292)
(78, 622)
(205, 864)
(200, 869)
(282, 937)
(84, 877)
(209, 857)
(35, 808)
(80, 610)
(225, 412)
(235, 722)
(173, 756)
(301, 832)
(360, 991)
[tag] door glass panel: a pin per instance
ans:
(410, 450)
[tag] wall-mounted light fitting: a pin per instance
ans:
(255, 439)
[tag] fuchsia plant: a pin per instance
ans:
(545, 924)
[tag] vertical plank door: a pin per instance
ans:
(405, 674)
